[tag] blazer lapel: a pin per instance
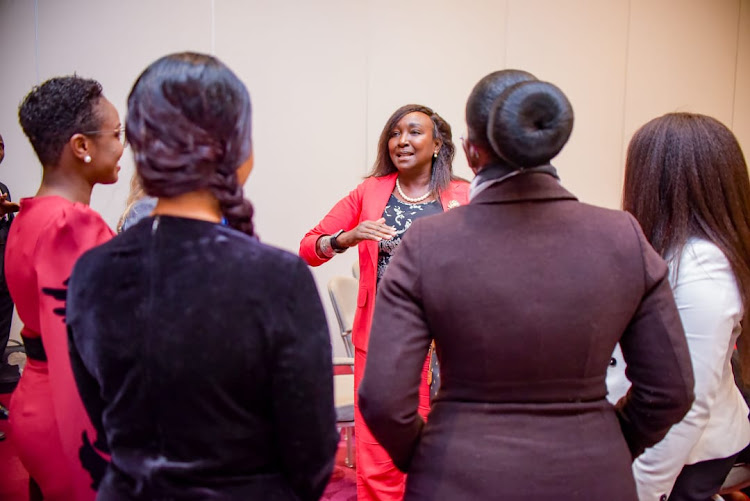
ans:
(372, 208)
(452, 198)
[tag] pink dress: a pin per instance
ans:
(53, 434)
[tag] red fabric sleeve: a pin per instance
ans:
(60, 245)
(344, 215)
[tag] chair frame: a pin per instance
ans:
(343, 292)
(346, 425)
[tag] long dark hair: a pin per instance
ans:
(189, 123)
(55, 110)
(685, 176)
(442, 166)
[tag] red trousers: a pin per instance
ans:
(378, 479)
(34, 429)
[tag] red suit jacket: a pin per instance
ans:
(367, 202)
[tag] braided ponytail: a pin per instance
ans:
(236, 209)
(189, 123)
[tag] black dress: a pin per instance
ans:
(203, 358)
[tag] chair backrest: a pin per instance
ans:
(737, 479)
(343, 292)
(355, 269)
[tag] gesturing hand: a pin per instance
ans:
(367, 230)
(6, 206)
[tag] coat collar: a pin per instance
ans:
(524, 187)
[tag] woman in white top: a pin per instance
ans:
(686, 182)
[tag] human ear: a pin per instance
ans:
(472, 156)
(79, 145)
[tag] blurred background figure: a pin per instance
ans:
(686, 183)
(8, 373)
(137, 206)
(525, 292)
(412, 178)
(77, 136)
(203, 356)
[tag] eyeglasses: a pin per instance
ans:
(120, 131)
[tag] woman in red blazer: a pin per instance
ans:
(412, 178)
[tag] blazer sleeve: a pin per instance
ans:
(64, 240)
(657, 357)
(710, 306)
(61, 244)
(302, 389)
(399, 341)
(343, 216)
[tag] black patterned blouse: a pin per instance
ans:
(401, 215)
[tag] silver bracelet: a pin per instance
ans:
(324, 244)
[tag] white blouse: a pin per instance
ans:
(717, 425)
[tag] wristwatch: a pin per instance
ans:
(334, 243)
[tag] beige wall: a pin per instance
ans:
(325, 75)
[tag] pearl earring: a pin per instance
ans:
(435, 155)
(87, 159)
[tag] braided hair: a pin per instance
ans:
(189, 124)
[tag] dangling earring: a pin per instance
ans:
(87, 159)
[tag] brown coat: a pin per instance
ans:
(525, 291)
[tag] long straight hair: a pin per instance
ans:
(685, 176)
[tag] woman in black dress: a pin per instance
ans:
(202, 356)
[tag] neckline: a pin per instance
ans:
(35, 200)
(402, 202)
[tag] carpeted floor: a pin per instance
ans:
(14, 479)
(343, 484)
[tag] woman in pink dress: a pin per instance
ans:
(77, 136)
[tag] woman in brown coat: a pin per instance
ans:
(525, 292)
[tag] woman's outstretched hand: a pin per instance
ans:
(366, 230)
(6, 206)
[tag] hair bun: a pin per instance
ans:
(529, 123)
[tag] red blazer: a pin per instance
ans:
(367, 202)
